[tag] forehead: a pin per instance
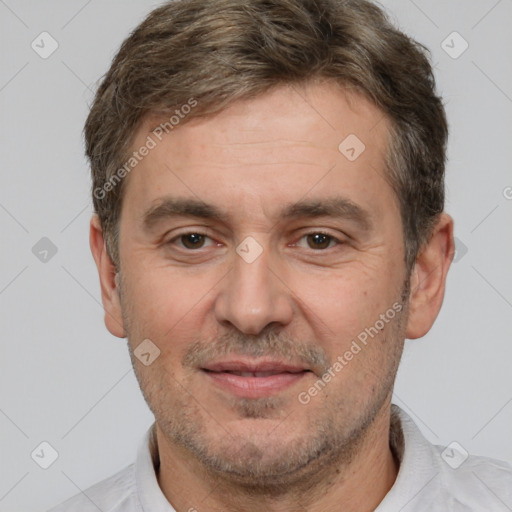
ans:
(324, 109)
(271, 149)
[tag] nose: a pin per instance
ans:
(254, 295)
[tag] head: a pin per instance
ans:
(268, 180)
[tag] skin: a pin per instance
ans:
(295, 302)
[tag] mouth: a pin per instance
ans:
(254, 379)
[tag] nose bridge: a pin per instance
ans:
(252, 296)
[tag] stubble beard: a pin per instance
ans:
(259, 466)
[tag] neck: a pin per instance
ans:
(358, 485)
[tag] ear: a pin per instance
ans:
(108, 280)
(428, 278)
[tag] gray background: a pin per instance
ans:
(66, 381)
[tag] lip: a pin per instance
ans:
(254, 379)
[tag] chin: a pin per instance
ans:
(257, 456)
(267, 469)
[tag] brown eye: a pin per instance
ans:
(319, 240)
(192, 240)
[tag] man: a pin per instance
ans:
(268, 187)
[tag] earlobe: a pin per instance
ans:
(108, 280)
(428, 278)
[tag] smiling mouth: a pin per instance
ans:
(256, 374)
(247, 379)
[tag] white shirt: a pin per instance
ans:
(426, 480)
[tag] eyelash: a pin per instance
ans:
(332, 239)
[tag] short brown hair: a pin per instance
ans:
(220, 51)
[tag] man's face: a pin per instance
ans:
(247, 326)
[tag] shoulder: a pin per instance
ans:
(433, 477)
(114, 494)
(478, 481)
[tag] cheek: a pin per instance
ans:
(166, 305)
(160, 291)
(346, 300)
(344, 316)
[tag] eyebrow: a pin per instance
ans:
(336, 207)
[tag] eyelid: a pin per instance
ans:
(338, 240)
(201, 232)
